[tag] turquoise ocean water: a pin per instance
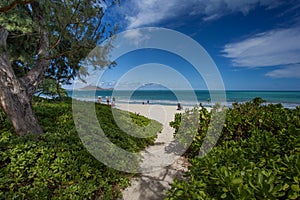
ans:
(289, 99)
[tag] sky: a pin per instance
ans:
(255, 44)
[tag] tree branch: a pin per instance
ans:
(13, 5)
(7, 75)
(3, 37)
(35, 76)
(65, 27)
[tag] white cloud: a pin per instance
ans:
(280, 47)
(272, 48)
(286, 72)
(136, 36)
(149, 12)
(140, 13)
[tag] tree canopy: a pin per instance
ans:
(74, 28)
(49, 38)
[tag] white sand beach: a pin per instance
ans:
(159, 167)
(161, 113)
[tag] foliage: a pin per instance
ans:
(241, 120)
(257, 156)
(41, 38)
(130, 143)
(247, 169)
(51, 88)
(74, 29)
(198, 133)
(57, 165)
(3, 120)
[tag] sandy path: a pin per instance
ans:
(159, 167)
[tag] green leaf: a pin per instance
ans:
(295, 188)
(293, 196)
(223, 196)
(285, 186)
(237, 181)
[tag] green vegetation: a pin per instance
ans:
(48, 39)
(51, 88)
(56, 165)
(256, 157)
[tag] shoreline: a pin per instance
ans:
(184, 104)
(289, 99)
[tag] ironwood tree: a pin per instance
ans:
(41, 38)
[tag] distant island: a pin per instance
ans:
(91, 87)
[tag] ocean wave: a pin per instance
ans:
(183, 103)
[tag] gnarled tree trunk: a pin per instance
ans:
(18, 107)
(16, 93)
(15, 100)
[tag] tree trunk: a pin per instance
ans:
(16, 93)
(18, 108)
(15, 100)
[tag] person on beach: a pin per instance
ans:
(113, 101)
(99, 99)
(148, 102)
(107, 100)
(179, 107)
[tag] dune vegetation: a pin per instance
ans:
(256, 157)
(56, 165)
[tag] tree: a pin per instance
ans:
(41, 38)
(52, 88)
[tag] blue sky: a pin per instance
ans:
(255, 43)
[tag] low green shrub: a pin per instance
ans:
(257, 156)
(57, 165)
(260, 167)
(240, 121)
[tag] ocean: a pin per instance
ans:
(289, 99)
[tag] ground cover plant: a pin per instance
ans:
(56, 165)
(256, 157)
